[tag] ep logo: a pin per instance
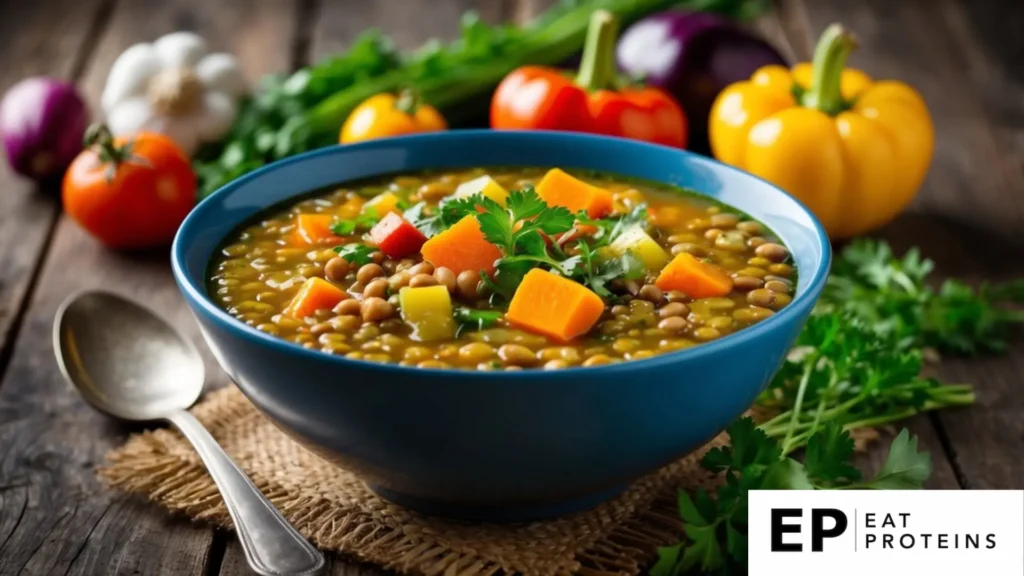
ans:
(824, 523)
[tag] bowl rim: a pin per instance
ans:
(196, 296)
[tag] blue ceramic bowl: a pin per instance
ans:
(499, 445)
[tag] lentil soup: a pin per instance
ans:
(502, 269)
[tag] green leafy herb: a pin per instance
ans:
(596, 273)
(356, 253)
(303, 111)
(846, 371)
(716, 528)
(363, 222)
(892, 294)
(471, 319)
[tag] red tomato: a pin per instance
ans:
(129, 194)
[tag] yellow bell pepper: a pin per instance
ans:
(385, 115)
(853, 150)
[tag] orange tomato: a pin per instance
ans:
(129, 194)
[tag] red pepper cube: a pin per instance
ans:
(396, 237)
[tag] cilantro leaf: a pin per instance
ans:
(828, 456)
(749, 446)
(636, 217)
(364, 221)
(905, 468)
(668, 557)
(356, 253)
(470, 319)
(786, 474)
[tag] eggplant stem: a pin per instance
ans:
(830, 54)
(597, 65)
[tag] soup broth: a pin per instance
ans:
(601, 269)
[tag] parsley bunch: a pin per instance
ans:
(893, 294)
(716, 528)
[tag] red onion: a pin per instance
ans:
(42, 121)
(694, 56)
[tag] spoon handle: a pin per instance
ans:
(272, 546)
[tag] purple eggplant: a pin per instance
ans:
(694, 56)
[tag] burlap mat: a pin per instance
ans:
(337, 512)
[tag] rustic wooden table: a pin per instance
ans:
(967, 58)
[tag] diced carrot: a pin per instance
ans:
(554, 306)
(560, 189)
(315, 294)
(462, 247)
(396, 237)
(314, 229)
(694, 278)
(384, 203)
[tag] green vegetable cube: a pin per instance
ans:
(640, 243)
(428, 310)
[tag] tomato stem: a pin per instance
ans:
(408, 102)
(99, 135)
(830, 54)
(597, 66)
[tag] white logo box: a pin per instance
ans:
(927, 532)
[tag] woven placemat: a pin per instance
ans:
(337, 512)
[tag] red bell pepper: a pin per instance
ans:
(597, 101)
(396, 237)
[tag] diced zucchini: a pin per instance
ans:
(653, 256)
(483, 185)
(382, 203)
(428, 310)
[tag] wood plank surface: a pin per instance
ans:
(45, 39)
(969, 215)
(55, 516)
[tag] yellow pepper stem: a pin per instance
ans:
(408, 102)
(830, 54)
(597, 65)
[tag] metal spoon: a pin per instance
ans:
(130, 364)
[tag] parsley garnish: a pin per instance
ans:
(364, 221)
(355, 253)
(470, 319)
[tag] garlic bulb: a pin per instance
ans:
(174, 87)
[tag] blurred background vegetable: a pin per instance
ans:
(306, 110)
(385, 114)
(597, 101)
(853, 150)
(174, 87)
(694, 56)
(42, 121)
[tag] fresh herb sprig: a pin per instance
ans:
(893, 294)
(356, 253)
(716, 528)
(361, 223)
(469, 319)
(845, 371)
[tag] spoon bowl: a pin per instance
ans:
(128, 363)
(125, 361)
